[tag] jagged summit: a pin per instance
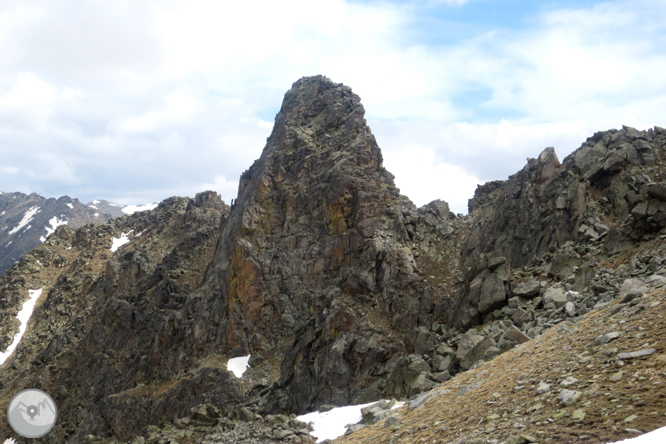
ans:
(317, 225)
(320, 126)
(321, 105)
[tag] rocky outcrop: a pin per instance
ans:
(27, 220)
(103, 335)
(602, 199)
(317, 257)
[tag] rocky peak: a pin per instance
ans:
(314, 258)
(319, 134)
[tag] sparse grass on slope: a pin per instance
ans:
(499, 399)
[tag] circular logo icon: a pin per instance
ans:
(32, 413)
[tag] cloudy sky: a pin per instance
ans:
(136, 101)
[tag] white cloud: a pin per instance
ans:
(134, 102)
(226, 188)
(423, 179)
(434, 160)
(178, 108)
(574, 64)
(448, 2)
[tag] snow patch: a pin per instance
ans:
(70, 205)
(55, 223)
(23, 316)
(131, 209)
(9, 441)
(96, 214)
(8, 244)
(95, 202)
(120, 241)
(654, 437)
(237, 366)
(27, 217)
(93, 206)
(331, 424)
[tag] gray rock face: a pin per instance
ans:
(320, 227)
(476, 353)
(555, 296)
(514, 334)
(548, 210)
(606, 338)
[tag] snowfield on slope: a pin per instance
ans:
(23, 316)
(120, 241)
(27, 218)
(131, 209)
(55, 223)
(237, 366)
(333, 423)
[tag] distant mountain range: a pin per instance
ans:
(27, 220)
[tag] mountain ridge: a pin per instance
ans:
(338, 287)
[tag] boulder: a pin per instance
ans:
(556, 296)
(516, 335)
(527, 289)
(476, 353)
(493, 294)
(466, 343)
(657, 190)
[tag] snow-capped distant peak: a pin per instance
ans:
(95, 202)
(131, 209)
(27, 217)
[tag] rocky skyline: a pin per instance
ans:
(341, 291)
